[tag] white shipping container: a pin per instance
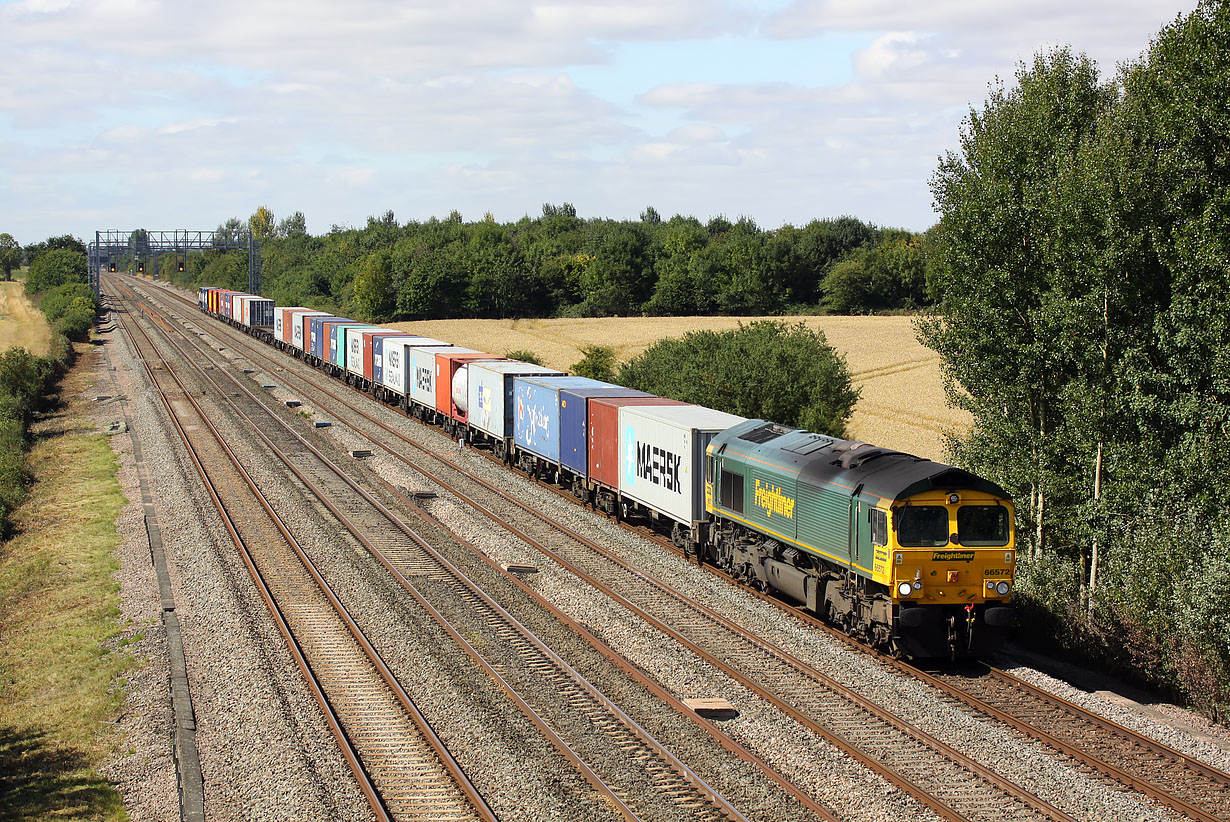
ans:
(489, 393)
(296, 329)
(408, 366)
(662, 456)
(354, 347)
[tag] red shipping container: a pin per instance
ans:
(446, 369)
(604, 434)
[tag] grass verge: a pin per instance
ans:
(58, 608)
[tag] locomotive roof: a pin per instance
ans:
(820, 460)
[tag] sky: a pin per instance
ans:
(123, 114)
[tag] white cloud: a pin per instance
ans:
(195, 112)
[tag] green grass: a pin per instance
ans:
(60, 688)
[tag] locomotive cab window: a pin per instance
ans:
(732, 490)
(879, 526)
(922, 526)
(983, 524)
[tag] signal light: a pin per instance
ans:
(181, 265)
(140, 268)
(113, 268)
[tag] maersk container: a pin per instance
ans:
(451, 381)
(574, 422)
(662, 456)
(603, 446)
(536, 418)
(415, 375)
(351, 354)
(300, 337)
(488, 393)
(383, 343)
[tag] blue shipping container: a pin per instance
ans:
(574, 422)
(317, 343)
(536, 418)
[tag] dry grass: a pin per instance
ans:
(902, 406)
(58, 609)
(21, 324)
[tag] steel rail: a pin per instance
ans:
(445, 759)
(852, 749)
(728, 810)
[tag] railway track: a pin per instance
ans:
(633, 772)
(914, 761)
(1134, 761)
(401, 767)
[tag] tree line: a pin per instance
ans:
(559, 264)
(1083, 265)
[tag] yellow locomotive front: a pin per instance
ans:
(949, 561)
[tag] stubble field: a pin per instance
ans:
(902, 405)
(21, 324)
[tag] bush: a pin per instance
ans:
(57, 300)
(54, 268)
(78, 319)
(767, 370)
(525, 355)
(597, 364)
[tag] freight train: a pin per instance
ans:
(909, 555)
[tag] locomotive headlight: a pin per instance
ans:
(990, 585)
(1002, 589)
(905, 589)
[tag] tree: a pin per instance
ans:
(375, 293)
(54, 268)
(1009, 328)
(767, 369)
(10, 255)
(293, 226)
(64, 242)
(261, 223)
(525, 355)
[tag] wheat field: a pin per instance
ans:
(21, 324)
(902, 404)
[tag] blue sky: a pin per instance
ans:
(146, 113)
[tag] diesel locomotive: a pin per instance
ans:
(911, 555)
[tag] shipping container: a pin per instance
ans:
(603, 456)
(488, 394)
(451, 381)
(318, 334)
(411, 369)
(350, 351)
(373, 359)
(240, 311)
(574, 422)
(374, 352)
(336, 354)
(536, 418)
(202, 297)
(300, 337)
(662, 457)
(282, 323)
(258, 313)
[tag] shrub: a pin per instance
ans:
(767, 370)
(77, 321)
(54, 268)
(57, 300)
(597, 364)
(525, 355)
